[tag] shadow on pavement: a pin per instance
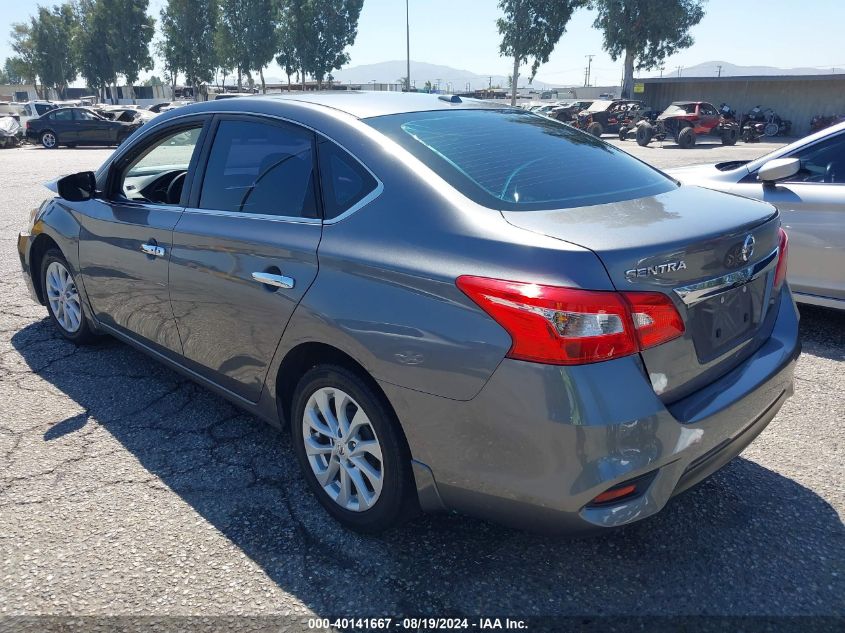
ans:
(746, 541)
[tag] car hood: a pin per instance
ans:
(702, 174)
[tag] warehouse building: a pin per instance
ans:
(797, 98)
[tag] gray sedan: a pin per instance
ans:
(806, 181)
(449, 304)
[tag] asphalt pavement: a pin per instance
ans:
(126, 489)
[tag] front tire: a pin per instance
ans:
(730, 136)
(351, 450)
(686, 138)
(64, 303)
(49, 140)
(644, 134)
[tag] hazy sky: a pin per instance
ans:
(462, 34)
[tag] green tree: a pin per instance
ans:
(155, 80)
(530, 30)
(262, 42)
(286, 53)
(645, 32)
(52, 33)
(12, 68)
(20, 39)
(233, 46)
(187, 39)
(331, 27)
(114, 41)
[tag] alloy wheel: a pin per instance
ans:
(48, 140)
(63, 297)
(343, 450)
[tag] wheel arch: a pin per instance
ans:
(39, 248)
(303, 357)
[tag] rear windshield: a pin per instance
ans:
(680, 108)
(514, 160)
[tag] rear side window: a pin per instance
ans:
(514, 160)
(262, 168)
(61, 115)
(345, 182)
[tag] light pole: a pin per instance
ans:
(407, 49)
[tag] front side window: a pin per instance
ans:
(157, 174)
(822, 162)
(261, 168)
(518, 161)
(345, 182)
(85, 115)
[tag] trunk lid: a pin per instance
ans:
(713, 254)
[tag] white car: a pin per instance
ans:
(806, 182)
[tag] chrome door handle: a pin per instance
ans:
(152, 249)
(268, 279)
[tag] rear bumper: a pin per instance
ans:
(540, 442)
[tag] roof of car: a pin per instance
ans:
(365, 104)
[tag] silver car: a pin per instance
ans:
(806, 181)
(451, 305)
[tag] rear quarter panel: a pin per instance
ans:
(386, 294)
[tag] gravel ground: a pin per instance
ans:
(125, 489)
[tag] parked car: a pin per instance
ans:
(126, 114)
(445, 322)
(10, 132)
(806, 181)
(77, 126)
(684, 121)
(569, 111)
(34, 109)
(606, 117)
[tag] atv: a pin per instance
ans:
(684, 121)
(606, 116)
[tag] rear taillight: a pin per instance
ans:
(783, 255)
(28, 124)
(569, 326)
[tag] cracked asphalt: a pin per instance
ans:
(126, 489)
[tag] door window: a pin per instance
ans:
(61, 115)
(261, 168)
(822, 162)
(708, 110)
(344, 180)
(157, 173)
(85, 115)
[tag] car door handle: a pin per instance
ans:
(153, 249)
(268, 279)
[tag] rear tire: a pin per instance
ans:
(64, 302)
(644, 134)
(359, 490)
(730, 136)
(771, 129)
(49, 140)
(686, 138)
(595, 129)
(623, 133)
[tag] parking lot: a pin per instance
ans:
(126, 489)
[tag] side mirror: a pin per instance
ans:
(778, 169)
(77, 187)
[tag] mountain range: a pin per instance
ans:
(394, 71)
(711, 69)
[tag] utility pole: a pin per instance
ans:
(719, 66)
(587, 71)
(407, 49)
